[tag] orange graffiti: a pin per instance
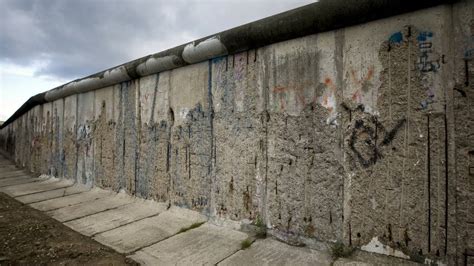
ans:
(298, 89)
(367, 77)
(361, 83)
(281, 91)
(330, 84)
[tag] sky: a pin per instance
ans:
(46, 43)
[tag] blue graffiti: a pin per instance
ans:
(397, 37)
(424, 35)
(426, 62)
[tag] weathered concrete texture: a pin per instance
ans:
(30, 188)
(36, 142)
(85, 129)
(108, 220)
(128, 139)
(238, 186)
(462, 128)
(69, 137)
(104, 138)
(12, 173)
(5, 182)
(51, 194)
(7, 167)
(365, 258)
(155, 128)
(13, 176)
(188, 248)
(148, 231)
(86, 208)
(45, 138)
(393, 150)
(360, 135)
(273, 252)
(191, 151)
(71, 200)
(304, 175)
(57, 131)
(153, 228)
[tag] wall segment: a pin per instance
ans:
(361, 134)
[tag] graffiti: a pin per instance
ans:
(369, 136)
(326, 100)
(298, 89)
(363, 83)
(396, 38)
(426, 61)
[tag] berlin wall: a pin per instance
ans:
(362, 134)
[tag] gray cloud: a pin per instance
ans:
(77, 38)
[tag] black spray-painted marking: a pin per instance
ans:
(375, 136)
(426, 62)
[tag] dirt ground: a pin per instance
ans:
(30, 237)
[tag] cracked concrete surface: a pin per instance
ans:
(359, 135)
(151, 233)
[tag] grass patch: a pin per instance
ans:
(259, 222)
(339, 250)
(194, 225)
(262, 229)
(245, 243)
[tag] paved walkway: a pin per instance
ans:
(147, 231)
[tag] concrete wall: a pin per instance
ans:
(362, 135)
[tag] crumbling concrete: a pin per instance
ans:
(358, 135)
(155, 233)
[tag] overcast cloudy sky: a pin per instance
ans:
(45, 43)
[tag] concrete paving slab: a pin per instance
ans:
(15, 177)
(12, 173)
(52, 204)
(24, 189)
(108, 220)
(273, 252)
(88, 208)
(46, 195)
(363, 258)
(6, 167)
(145, 232)
(17, 180)
(205, 245)
(350, 262)
(15, 173)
